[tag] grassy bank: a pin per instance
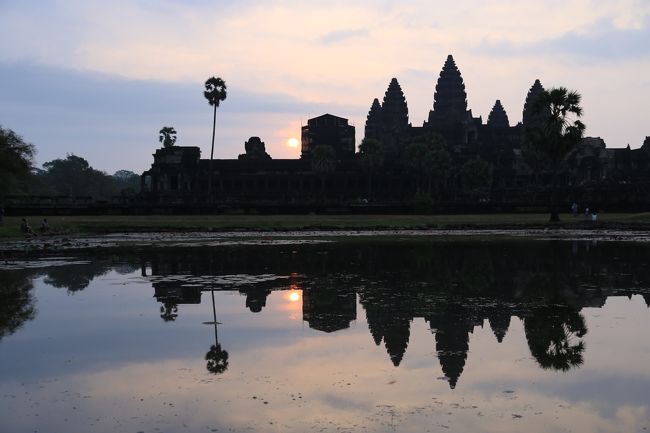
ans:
(145, 223)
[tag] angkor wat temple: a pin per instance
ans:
(478, 164)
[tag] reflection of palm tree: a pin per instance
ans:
(169, 312)
(551, 332)
(217, 357)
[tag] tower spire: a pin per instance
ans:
(374, 121)
(529, 114)
(450, 98)
(498, 117)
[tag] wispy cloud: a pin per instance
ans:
(602, 42)
(343, 35)
(92, 114)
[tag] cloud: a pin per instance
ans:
(603, 42)
(103, 117)
(343, 35)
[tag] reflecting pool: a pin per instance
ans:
(335, 335)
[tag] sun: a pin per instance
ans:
(293, 142)
(294, 296)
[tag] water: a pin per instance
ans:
(353, 335)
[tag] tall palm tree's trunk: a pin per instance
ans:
(214, 319)
(214, 125)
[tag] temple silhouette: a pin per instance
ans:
(590, 173)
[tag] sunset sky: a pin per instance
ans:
(99, 79)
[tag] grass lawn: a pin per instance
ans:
(143, 223)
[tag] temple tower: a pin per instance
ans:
(395, 117)
(529, 114)
(374, 122)
(450, 117)
(450, 98)
(498, 117)
(394, 109)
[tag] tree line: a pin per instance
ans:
(70, 176)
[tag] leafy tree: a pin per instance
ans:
(323, 162)
(73, 176)
(126, 182)
(371, 158)
(554, 337)
(427, 159)
(167, 136)
(558, 133)
(215, 92)
(440, 165)
(16, 159)
(475, 177)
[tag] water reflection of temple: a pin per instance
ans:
(328, 308)
(454, 287)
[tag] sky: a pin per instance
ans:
(99, 79)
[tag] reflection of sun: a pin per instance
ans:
(292, 142)
(294, 304)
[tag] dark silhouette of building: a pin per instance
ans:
(328, 130)
(590, 173)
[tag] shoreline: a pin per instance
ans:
(43, 246)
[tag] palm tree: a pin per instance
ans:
(558, 133)
(167, 136)
(215, 92)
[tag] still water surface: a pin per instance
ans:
(356, 335)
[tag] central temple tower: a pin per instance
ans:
(450, 98)
(450, 116)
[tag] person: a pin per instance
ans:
(586, 214)
(25, 228)
(594, 216)
(2, 215)
(45, 226)
(574, 209)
